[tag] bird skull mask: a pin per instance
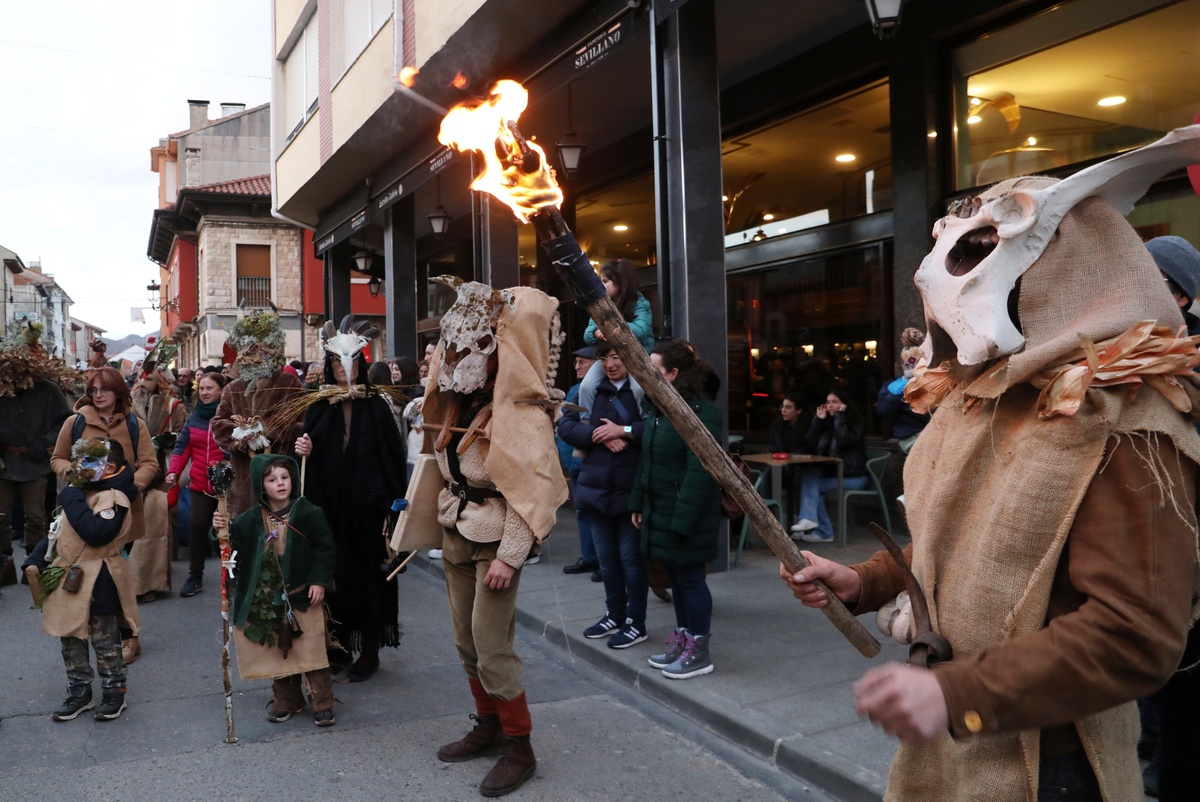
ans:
(346, 342)
(469, 333)
(985, 244)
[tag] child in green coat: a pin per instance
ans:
(284, 553)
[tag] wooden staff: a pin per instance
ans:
(220, 476)
(573, 265)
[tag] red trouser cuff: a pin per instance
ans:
(514, 716)
(484, 704)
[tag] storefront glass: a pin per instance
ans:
(1081, 81)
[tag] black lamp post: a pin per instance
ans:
(885, 16)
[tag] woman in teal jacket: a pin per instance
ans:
(676, 504)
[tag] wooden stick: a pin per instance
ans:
(576, 270)
(400, 567)
(303, 471)
(226, 555)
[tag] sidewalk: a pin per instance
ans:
(783, 685)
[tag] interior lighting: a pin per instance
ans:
(976, 101)
(845, 158)
(1029, 143)
(768, 216)
(974, 118)
(1115, 100)
(620, 227)
(932, 135)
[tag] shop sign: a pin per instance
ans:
(603, 44)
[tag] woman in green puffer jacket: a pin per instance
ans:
(676, 504)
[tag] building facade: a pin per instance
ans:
(774, 173)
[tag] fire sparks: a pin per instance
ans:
(408, 76)
(515, 169)
(460, 81)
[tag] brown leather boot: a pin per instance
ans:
(512, 770)
(486, 739)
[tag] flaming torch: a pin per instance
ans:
(516, 172)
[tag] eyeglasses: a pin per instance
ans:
(611, 359)
(99, 390)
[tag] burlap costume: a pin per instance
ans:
(66, 614)
(150, 557)
(993, 491)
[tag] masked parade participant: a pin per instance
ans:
(355, 470)
(245, 422)
(155, 403)
(485, 416)
(32, 409)
(1051, 499)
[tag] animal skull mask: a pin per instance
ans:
(346, 342)
(469, 333)
(984, 245)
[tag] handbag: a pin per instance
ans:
(729, 507)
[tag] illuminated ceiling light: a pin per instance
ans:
(1029, 143)
(932, 135)
(620, 227)
(976, 101)
(768, 216)
(1115, 100)
(974, 118)
(725, 199)
(845, 158)
(759, 236)
(781, 231)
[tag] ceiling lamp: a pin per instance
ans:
(759, 236)
(570, 147)
(620, 227)
(885, 16)
(363, 260)
(1115, 100)
(373, 286)
(845, 158)
(438, 217)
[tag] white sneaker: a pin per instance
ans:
(534, 560)
(803, 525)
(434, 554)
(813, 537)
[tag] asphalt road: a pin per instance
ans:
(594, 739)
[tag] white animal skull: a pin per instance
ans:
(983, 248)
(469, 333)
(346, 342)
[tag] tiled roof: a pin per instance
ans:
(254, 185)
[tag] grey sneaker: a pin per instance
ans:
(693, 662)
(631, 634)
(675, 643)
(603, 628)
(112, 705)
(74, 705)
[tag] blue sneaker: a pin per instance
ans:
(603, 628)
(629, 635)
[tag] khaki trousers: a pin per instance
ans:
(484, 620)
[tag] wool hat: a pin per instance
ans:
(1179, 260)
(587, 352)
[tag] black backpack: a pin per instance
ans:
(130, 420)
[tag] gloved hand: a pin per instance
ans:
(896, 386)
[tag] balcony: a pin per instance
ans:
(253, 291)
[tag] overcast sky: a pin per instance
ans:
(86, 90)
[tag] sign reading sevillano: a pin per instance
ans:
(604, 43)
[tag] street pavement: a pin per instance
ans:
(599, 735)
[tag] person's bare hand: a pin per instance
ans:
(303, 445)
(171, 479)
(636, 517)
(822, 411)
(220, 521)
(608, 431)
(615, 446)
(842, 581)
(316, 594)
(499, 575)
(600, 335)
(904, 701)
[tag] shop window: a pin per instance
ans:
(805, 327)
(1081, 81)
(829, 163)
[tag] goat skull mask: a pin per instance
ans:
(468, 332)
(984, 245)
(346, 342)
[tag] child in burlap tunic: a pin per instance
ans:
(285, 563)
(94, 527)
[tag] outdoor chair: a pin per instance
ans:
(876, 460)
(762, 482)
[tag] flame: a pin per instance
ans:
(515, 169)
(408, 76)
(459, 81)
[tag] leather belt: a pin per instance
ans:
(474, 495)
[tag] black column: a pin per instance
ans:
(400, 278)
(495, 237)
(338, 260)
(687, 167)
(918, 175)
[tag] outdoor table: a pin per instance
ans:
(776, 466)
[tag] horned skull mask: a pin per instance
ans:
(469, 333)
(984, 245)
(346, 342)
